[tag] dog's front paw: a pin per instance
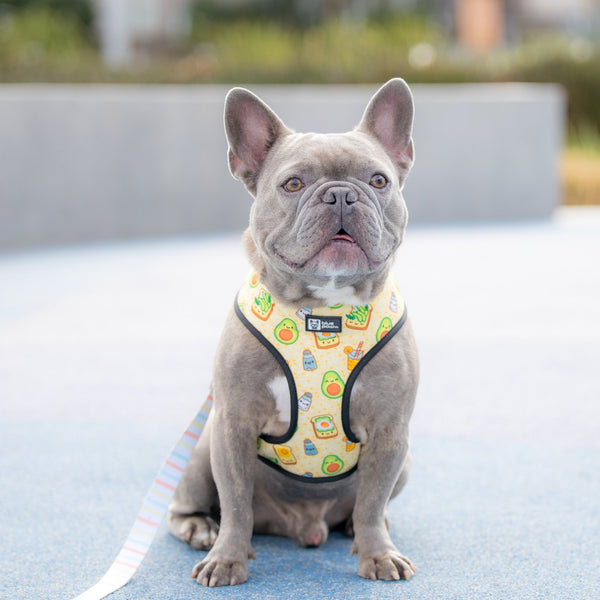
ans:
(390, 566)
(200, 532)
(216, 570)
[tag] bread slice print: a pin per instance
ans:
(263, 305)
(359, 317)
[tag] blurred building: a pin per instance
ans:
(129, 28)
(573, 16)
(482, 25)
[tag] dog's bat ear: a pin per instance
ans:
(251, 128)
(389, 118)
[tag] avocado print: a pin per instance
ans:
(332, 464)
(332, 385)
(384, 328)
(254, 279)
(286, 332)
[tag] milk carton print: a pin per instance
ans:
(305, 401)
(303, 312)
(309, 448)
(308, 360)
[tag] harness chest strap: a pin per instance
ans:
(321, 353)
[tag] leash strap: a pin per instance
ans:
(152, 512)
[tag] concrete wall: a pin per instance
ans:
(81, 163)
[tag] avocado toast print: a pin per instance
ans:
(359, 317)
(262, 305)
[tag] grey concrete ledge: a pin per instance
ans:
(93, 162)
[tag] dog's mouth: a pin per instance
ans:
(343, 236)
(340, 253)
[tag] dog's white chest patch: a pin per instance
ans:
(333, 295)
(279, 422)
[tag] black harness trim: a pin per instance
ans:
(356, 372)
(271, 439)
(305, 478)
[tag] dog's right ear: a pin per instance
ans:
(389, 118)
(251, 128)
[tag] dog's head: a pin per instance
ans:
(328, 213)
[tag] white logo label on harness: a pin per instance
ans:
(330, 324)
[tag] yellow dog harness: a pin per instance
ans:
(321, 352)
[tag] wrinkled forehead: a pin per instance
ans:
(331, 155)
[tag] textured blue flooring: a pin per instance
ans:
(105, 354)
(479, 519)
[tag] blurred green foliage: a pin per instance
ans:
(79, 9)
(282, 12)
(337, 51)
(38, 40)
(582, 82)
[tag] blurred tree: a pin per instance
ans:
(82, 9)
(304, 13)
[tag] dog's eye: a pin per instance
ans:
(293, 185)
(378, 181)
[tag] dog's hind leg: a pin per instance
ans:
(193, 513)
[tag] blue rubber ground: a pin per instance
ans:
(479, 519)
(105, 355)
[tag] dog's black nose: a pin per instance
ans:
(340, 195)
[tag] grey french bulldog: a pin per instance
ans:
(327, 218)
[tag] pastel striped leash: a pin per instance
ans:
(152, 512)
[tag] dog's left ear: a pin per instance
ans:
(252, 128)
(389, 117)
